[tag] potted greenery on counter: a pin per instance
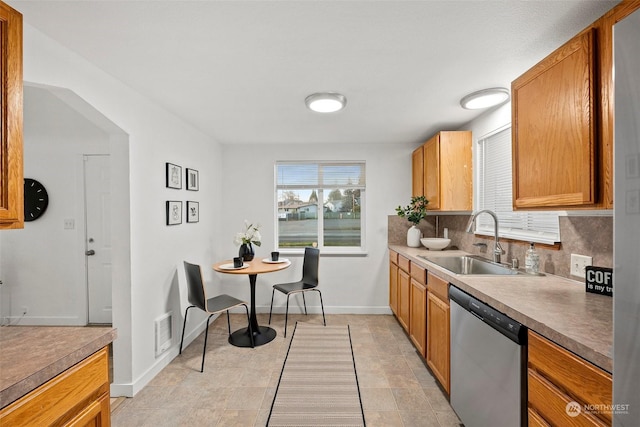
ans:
(415, 212)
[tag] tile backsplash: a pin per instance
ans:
(584, 235)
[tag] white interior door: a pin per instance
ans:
(97, 188)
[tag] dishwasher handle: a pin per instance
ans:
(477, 315)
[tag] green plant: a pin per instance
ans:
(415, 211)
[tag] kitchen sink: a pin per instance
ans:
(470, 264)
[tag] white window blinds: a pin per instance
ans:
(495, 193)
(302, 175)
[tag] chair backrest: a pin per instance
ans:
(195, 285)
(310, 266)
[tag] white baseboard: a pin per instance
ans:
(43, 321)
(295, 309)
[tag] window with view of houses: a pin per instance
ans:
(320, 204)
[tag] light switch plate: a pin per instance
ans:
(579, 263)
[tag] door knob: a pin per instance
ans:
(90, 252)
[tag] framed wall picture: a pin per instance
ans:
(193, 180)
(174, 212)
(174, 176)
(193, 211)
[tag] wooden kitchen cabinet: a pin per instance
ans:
(438, 335)
(77, 397)
(404, 292)
(554, 128)
(11, 146)
(562, 122)
(418, 315)
(417, 169)
(557, 377)
(447, 171)
(393, 281)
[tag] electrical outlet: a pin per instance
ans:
(25, 309)
(579, 263)
(69, 223)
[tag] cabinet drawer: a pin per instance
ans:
(438, 286)
(64, 397)
(580, 379)
(551, 404)
(393, 256)
(403, 263)
(419, 273)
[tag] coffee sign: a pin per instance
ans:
(599, 280)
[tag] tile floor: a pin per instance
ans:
(238, 384)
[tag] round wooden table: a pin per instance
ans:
(261, 334)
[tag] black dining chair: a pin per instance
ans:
(309, 282)
(218, 304)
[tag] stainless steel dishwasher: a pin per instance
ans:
(488, 364)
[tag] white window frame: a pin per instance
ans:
(322, 190)
(529, 226)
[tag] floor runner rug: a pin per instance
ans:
(318, 384)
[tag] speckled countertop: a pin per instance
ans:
(32, 355)
(553, 306)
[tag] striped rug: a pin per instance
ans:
(318, 384)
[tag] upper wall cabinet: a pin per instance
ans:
(554, 140)
(417, 162)
(11, 163)
(446, 173)
(562, 123)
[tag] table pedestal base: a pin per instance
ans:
(240, 338)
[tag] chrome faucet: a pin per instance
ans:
(497, 250)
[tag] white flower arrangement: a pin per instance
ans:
(250, 235)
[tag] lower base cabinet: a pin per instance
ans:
(564, 389)
(418, 329)
(404, 293)
(393, 282)
(78, 397)
(438, 336)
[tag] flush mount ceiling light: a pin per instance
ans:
(485, 98)
(325, 102)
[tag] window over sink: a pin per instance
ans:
(320, 204)
(495, 192)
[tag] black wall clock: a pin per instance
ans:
(36, 199)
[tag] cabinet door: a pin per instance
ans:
(553, 405)
(418, 317)
(97, 414)
(417, 169)
(393, 288)
(432, 172)
(438, 338)
(404, 282)
(11, 163)
(456, 171)
(554, 129)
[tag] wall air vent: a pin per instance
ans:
(164, 332)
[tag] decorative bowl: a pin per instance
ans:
(435, 243)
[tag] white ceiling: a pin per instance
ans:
(240, 70)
